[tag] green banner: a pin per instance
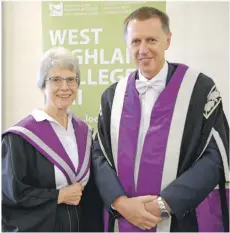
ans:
(94, 32)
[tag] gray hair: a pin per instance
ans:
(57, 57)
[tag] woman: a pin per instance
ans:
(46, 179)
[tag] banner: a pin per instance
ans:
(94, 32)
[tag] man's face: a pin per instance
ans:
(147, 43)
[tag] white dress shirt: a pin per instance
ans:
(148, 100)
(67, 139)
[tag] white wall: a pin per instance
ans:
(22, 49)
(200, 39)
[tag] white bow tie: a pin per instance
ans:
(142, 86)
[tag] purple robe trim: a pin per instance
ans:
(153, 154)
(209, 215)
(81, 134)
(106, 220)
(45, 132)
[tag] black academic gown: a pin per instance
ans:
(29, 194)
(196, 132)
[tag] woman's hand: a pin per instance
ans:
(70, 195)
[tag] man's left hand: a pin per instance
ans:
(152, 207)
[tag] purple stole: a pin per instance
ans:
(158, 155)
(153, 153)
(42, 136)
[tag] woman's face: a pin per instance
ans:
(60, 93)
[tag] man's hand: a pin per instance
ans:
(71, 195)
(133, 210)
(152, 207)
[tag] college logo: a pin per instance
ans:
(56, 9)
(213, 100)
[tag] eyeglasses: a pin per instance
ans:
(57, 80)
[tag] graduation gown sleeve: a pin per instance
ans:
(185, 193)
(92, 207)
(105, 175)
(209, 162)
(26, 204)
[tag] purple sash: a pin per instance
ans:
(153, 154)
(42, 136)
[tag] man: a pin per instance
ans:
(161, 152)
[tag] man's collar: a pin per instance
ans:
(162, 75)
